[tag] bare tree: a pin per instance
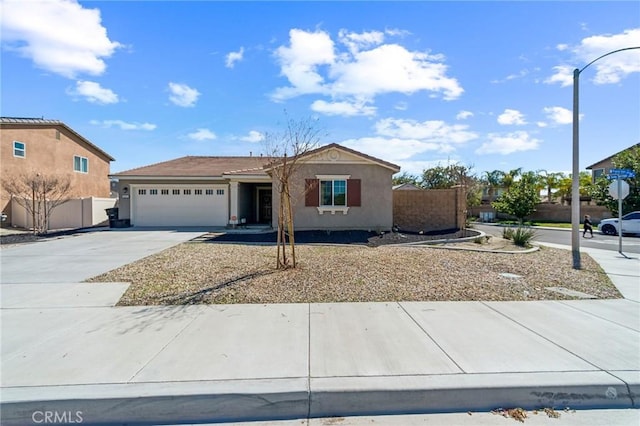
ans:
(285, 151)
(39, 194)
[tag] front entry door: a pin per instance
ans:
(264, 208)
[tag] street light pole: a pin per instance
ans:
(575, 178)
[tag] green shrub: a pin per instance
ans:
(522, 236)
(507, 233)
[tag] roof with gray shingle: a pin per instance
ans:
(201, 166)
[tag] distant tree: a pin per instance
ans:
(509, 178)
(443, 177)
(493, 180)
(521, 198)
(551, 182)
(285, 151)
(629, 159)
(39, 194)
(405, 177)
(565, 185)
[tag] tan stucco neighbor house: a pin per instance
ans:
(334, 188)
(51, 147)
(604, 166)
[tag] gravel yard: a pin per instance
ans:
(213, 272)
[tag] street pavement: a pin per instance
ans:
(67, 350)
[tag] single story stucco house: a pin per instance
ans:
(334, 188)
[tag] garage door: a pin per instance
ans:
(179, 205)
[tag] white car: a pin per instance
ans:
(630, 224)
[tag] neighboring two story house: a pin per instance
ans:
(334, 188)
(51, 147)
(604, 166)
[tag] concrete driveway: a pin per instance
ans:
(49, 273)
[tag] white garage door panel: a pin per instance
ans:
(180, 210)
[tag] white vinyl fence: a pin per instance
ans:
(75, 213)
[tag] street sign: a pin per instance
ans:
(619, 188)
(621, 173)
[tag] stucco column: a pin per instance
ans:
(233, 203)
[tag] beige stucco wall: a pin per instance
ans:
(48, 155)
(429, 210)
(375, 212)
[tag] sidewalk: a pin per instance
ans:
(214, 363)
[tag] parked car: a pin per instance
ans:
(630, 224)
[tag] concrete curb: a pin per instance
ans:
(296, 398)
(465, 239)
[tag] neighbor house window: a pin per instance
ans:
(209, 191)
(153, 192)
(80, 164)
(176, 192)
(220, 191)
(187, 192)
(597, 173)
(333, 192)
(142, 192)
(164, 191)
(19, 149)
(197, 191)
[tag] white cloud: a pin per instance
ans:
(400, 141)
(390, 149)
(416, 167)
(392, 68)
(299, 62)
(253, 136)
(202, 135)
(541, 124)
(59, 36)
(346, 109)
(563, 75)
(313, 64)
(123, 125)
(433, 131)
(608, 70)
(401, 106)
(508, 143)
(511, 117)
(521, 74)
(562, 46)
(617, 66)
(396, 32)
(94, 93)
(559, 115)
(463, 115)
(233, 57)
(357, 41)
(183, 95)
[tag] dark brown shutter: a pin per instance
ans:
(311, 192)
(353, 192)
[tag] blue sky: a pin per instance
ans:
(487, 84)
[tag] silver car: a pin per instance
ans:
(630, 224)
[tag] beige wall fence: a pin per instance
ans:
(75, 213)
(545, 213)
(429, 210)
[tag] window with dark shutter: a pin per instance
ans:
(312, 193)
(353, 193)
